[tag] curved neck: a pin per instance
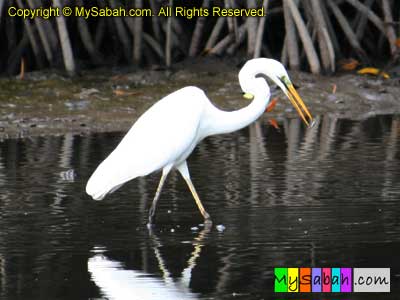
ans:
(226, 122)
(219, 121)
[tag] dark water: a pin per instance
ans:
(322, 197)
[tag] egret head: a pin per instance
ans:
(274, 70)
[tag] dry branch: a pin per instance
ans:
(232, 22)
(331, 31)
(390, 33)
(222, 45)
(215, 33)
(1, 8)
(137, 38)
(30, 30)
(122, 33)
(198, 32)
(362, 19)
(324, 40)
(87, 39)
(65, 41)
(284, 54)
(308, 24)
(48, 28)
(291, 37)
(15, 58)
(100, 32)
(168, 42)
(260, 31)
(42, 33)
(305, 38)
(153, 43)
(155, 21)
(351, 36)
(252, 24)
(369, 13)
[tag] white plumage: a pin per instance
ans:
(147, 147)
(165, 135)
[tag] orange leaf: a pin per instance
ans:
(273, 123)
(348, 64)
(271, 105)
(373, 71)
(397, 43)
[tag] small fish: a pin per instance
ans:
(273, 123)
(271, 105)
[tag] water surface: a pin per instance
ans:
(321, 197)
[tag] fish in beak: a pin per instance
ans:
(288, 88)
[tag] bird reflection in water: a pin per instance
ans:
(117, 282)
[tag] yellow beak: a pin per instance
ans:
(298, 104)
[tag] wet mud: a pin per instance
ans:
(107, 100)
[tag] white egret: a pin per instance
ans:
(166, 134)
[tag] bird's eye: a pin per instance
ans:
(285, 80)
(248, 96)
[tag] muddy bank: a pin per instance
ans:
(104, 100)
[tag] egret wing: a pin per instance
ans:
(159, 137)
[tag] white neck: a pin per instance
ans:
(219, 121)
(226, 122)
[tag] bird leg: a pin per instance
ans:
(205, 214)
(157, 196)
(183, 169)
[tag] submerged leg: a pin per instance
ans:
(158, 193)
(183, 169)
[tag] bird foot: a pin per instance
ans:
(207, 224)
(149, 225)
(150, 222)
(208, 221)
